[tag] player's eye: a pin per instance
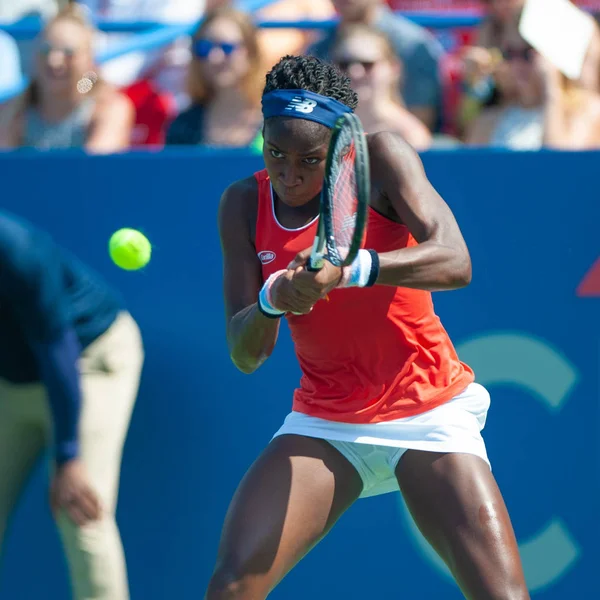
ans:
(276, 154)
(312, 161)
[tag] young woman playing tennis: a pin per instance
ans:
(384, 402)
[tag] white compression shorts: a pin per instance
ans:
(376, 448)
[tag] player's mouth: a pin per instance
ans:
(292, 195)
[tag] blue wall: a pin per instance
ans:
(531, 221)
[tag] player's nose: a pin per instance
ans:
(290, 177)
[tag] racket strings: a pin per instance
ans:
(345, 200)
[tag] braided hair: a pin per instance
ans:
(313, 75)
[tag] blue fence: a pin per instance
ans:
(531, 221)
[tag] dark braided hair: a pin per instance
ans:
(313, 75)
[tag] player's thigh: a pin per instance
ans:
(456, 503)
(288, 500)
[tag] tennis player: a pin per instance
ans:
(384, 403)
(70, 363)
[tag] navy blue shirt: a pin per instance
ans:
(43, 291)
(51, 307)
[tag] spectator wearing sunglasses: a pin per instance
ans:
(540, 108)
(225, 82)
(67, 105)
(162, 69)
(367, 57)
(417, 48)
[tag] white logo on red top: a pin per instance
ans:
(266, 257)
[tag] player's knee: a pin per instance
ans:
(228, 582)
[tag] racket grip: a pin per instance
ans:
(315, 263)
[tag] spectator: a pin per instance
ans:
(12, 11)
(70, 363)
(540, 106)
(480, 61)
(500, 15)
(590, 73)
(417, 49)
(368, 58)
(275, 43)
(164, 67)
(67, 105)
(10, 65)
(225, 83)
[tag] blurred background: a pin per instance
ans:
(138, 113)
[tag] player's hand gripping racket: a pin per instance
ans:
(345, 196)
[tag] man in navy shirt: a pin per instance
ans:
(70, 362)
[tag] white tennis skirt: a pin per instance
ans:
(375, 448)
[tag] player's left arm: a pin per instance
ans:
(441, 259)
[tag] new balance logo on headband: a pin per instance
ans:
(302, 105)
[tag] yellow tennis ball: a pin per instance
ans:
(129, 249)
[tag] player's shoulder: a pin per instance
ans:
(386, 146)
(241, 193)
(239, 202)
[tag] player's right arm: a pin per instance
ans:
(251, 336)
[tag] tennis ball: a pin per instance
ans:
(129, 249)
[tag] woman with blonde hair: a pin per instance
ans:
(225, 82)
(67, 105)
(375, 71)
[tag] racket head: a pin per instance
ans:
(346, 191)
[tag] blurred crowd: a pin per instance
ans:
(484, 86)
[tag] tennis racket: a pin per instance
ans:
(344, 197)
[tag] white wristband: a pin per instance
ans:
(362, 272)
(265, 304)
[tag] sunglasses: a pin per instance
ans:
(202, 48)
(525, 54)
(46, 48)
(367, 65)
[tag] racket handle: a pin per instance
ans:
(314, 266)
(316, 258)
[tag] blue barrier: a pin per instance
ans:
(531, 224)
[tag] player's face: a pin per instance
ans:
(222, 54)
(64, 56)
(363, 58)
(294, 152)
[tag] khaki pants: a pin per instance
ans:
(110, 371)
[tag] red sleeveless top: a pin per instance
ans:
(368, 354)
